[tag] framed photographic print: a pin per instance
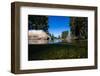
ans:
(52, 37)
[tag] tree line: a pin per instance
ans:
(78, 26)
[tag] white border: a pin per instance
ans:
(25, 64)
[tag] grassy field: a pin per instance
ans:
(58, 51)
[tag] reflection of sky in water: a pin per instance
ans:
(57, 24)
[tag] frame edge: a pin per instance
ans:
(12, 37)
(15, 66)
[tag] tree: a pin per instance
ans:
(38, 22)
(52, 37)
(79, 27)
(64, 34)
(59, 37)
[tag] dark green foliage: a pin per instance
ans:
(38, 22)
(64, 34)
(79, 27)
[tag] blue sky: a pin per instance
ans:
(57, 24)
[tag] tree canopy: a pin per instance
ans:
(38, 22)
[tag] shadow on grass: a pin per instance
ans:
(57, 51)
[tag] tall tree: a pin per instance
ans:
(79, 27)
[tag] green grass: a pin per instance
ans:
(58, 51)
